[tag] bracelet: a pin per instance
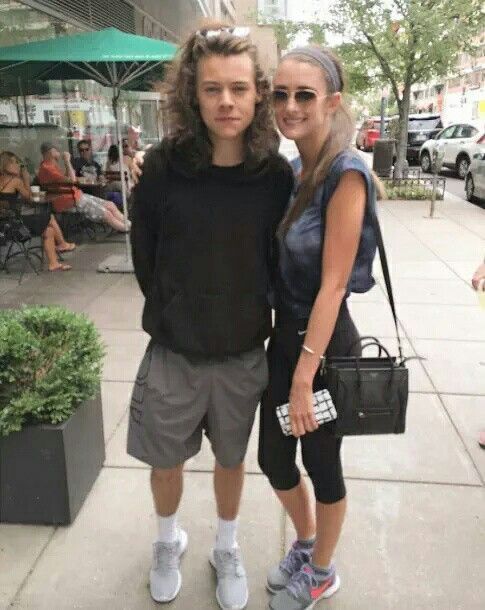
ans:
(309, 350)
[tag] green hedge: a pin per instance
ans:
(50, 361)
(409, 192)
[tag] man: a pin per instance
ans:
(71, 197)
(478, 282)
(85, 166)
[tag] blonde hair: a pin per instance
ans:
(339, 138)
(185, 125)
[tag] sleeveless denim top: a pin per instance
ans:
(300, 251)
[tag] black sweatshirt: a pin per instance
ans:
(203, 251)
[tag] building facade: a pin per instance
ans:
(273, 9)
(461, 96)
(247, 13)
(70, 110)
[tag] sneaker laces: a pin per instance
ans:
(302, 580)
(166, 555)
(294, 559)
(229, 563)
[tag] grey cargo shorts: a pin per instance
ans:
(176, 398)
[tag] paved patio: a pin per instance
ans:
(415, 533)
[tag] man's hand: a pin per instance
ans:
(137, 166)
(479, 276)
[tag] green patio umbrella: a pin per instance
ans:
(110, 57)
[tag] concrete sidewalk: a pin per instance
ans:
(415, 533)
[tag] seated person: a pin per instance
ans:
(113, 165)
(93, 208)
(15, 180)
(85, 166)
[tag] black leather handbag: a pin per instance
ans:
(370, 393)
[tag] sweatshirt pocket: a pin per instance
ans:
(214, 324)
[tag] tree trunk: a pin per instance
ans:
(402, 141)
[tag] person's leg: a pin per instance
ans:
(167, 486)
(299, 506)
(228, 425)
(167, 407)
(113, 222)
(330, 519)
(49, 246)
(61, 244)
(111, 207)
(228, 485)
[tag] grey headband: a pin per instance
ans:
(325, 61)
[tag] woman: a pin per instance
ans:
(326, 249)
(113, 166)
(205, 214)
(15, 180)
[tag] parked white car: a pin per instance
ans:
(459, 142)
(475, 178)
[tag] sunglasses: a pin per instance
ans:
(84, 149)
(302, 96)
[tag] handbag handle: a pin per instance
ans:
(374, 340)
(393, 366)
(387, 276)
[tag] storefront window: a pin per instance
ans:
(63, 111)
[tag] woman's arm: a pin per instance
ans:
(22, 185)
(344, 219)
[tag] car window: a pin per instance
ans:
(465, 131)
(428, 123)
(446, 133)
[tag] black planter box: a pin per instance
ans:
(47, 471)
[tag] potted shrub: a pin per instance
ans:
(51, 425)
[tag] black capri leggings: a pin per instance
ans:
(321, 448)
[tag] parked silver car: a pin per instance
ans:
(475, 178)
(458, 142)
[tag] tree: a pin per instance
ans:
(286, 30)
(403, 42)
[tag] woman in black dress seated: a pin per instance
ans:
(15, 181)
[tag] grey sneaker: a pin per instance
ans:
(279, 575)
(165, 577)
(305, 589)
(232, 585)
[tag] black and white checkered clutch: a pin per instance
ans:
(323, 408)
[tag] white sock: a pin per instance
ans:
(167, 528)
(226, 534)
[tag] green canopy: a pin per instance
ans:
(110, 57)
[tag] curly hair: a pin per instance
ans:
(186, 129)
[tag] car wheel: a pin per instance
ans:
(425, 162)
(462, 165)
(470, 188)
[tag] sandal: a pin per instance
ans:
(69, 249)
(61, 267)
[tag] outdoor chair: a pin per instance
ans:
(16, 238)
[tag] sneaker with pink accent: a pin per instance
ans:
(279, 575)
(305, 589)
